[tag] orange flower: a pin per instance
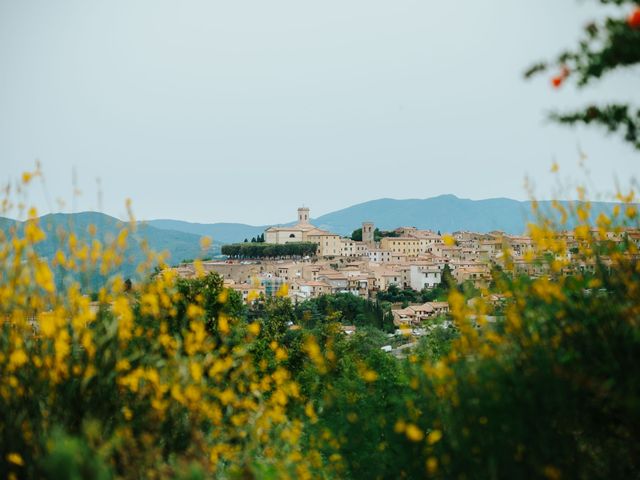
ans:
(634, 18)
(557, 81)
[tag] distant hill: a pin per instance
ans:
(180, 245)
(446, 213)
(219, 232)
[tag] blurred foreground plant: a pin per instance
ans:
(608, 45)
(170, 377)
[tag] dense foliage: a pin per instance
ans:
(378, 234)
(171, 378)
(269, 250)
(344, 308)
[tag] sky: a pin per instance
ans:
(241, 111)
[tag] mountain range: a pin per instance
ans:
(446, 213)
(180, 245)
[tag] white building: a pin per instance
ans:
(424, 276)
(379, 256)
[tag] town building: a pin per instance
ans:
(300, 232)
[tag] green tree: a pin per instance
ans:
(269, 250)
(207, 292)
(436, 344)
(385, 233)
(377, 234)
(277, 314)
(447, 280)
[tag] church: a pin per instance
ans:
(300, 232)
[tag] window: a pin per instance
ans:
(293, 235)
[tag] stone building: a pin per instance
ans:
(300, 232)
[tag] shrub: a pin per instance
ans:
(166, 377)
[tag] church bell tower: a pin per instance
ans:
(303, 215)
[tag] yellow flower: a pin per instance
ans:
(44, 277)
(196, 371)
(33, 233)
(192, 393)
(254, 328)
(205, 243)
(177, 394)
(15, 458)
(369, 376)
(194, 311)
(414, 433)
(253, 295)
(631, 212)
(17, 358)
(122, 365)
(227, 396)
(400, 426)
(434, 437)
(310, 412)
(223, 324)
(448, 240)
(60, 258)
(47, 325)
(122, 238)
(199, 269)
(432, 465)
(552, 473)
(223, 296)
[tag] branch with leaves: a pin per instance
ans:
(607, 45)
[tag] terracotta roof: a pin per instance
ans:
(440, 304)
(314, 284)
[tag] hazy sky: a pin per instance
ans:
(243, 110)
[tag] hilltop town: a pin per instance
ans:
(371, 261)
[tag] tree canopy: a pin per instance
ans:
(378, 234)
(269, 250)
